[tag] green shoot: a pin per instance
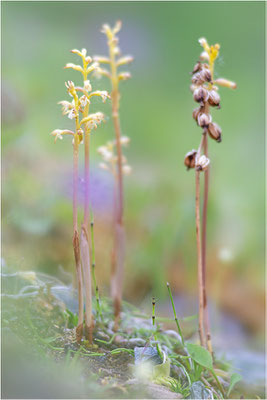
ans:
(175, 315)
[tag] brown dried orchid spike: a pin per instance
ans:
(205, 92)
(113, 62)
(88, 122)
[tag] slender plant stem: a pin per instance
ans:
(76, 243)
(98, 305)
(204, 246)
(119, 237)
(113, 250)
(175, 315)
(85, 249)
(116, 120)
(155, 329)
(199, 251)
(218, 383)
(153, 311)
(86, 177)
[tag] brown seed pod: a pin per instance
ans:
(201, 95)
(189, 160)
(203, 163)
(197, 79)
(197, 67)
(196, 112)
(214, 98)
(203, 120)
(192, 88)
(215, 132)
(205, 75)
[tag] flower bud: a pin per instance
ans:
(215, 132)
(74, 66)
(101, 59)
(203, 163)
(214, 98)
(203, 42)
(127, 169)
(203, 120)
(204, 56)
(88, 59)
(87, 85)
(189, 160)
(72, 114)
(123, 76)
(102, 165)
(83, 101)
(124, 140)
(124, 60)
(201, 95)
(226, 83)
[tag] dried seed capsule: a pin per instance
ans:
(196, 112)
(215, 132)
(197, 67)
(205, 75)
(189, 160)
(203, 120)
(203, 163)
(214, 98)
(192, 88)
(197, 79)
(201, 95)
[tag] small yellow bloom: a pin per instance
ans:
(72, 114)
(66, 106)
(127, 169)
(87, 85)
(124, 60)
(125, 140)
(101, 59)
(124, 75)
(74, 66)
(58, 133)
(101, 93)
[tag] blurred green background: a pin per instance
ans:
(156, 109)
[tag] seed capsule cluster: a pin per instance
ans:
(205, 93)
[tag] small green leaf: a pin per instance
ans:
(233, 381)
(200, 355)
(162, 370)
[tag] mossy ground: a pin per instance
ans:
(39, 330)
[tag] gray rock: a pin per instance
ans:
(120, 340)
(102, 335)
(160, 392)
(152, 390)
(143, 354)
(136, 342)
(199, 391)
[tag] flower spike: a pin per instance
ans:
(81, 105)
(205, 93)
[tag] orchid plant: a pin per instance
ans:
(205, 92)
(117, 163)
(78, 110)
